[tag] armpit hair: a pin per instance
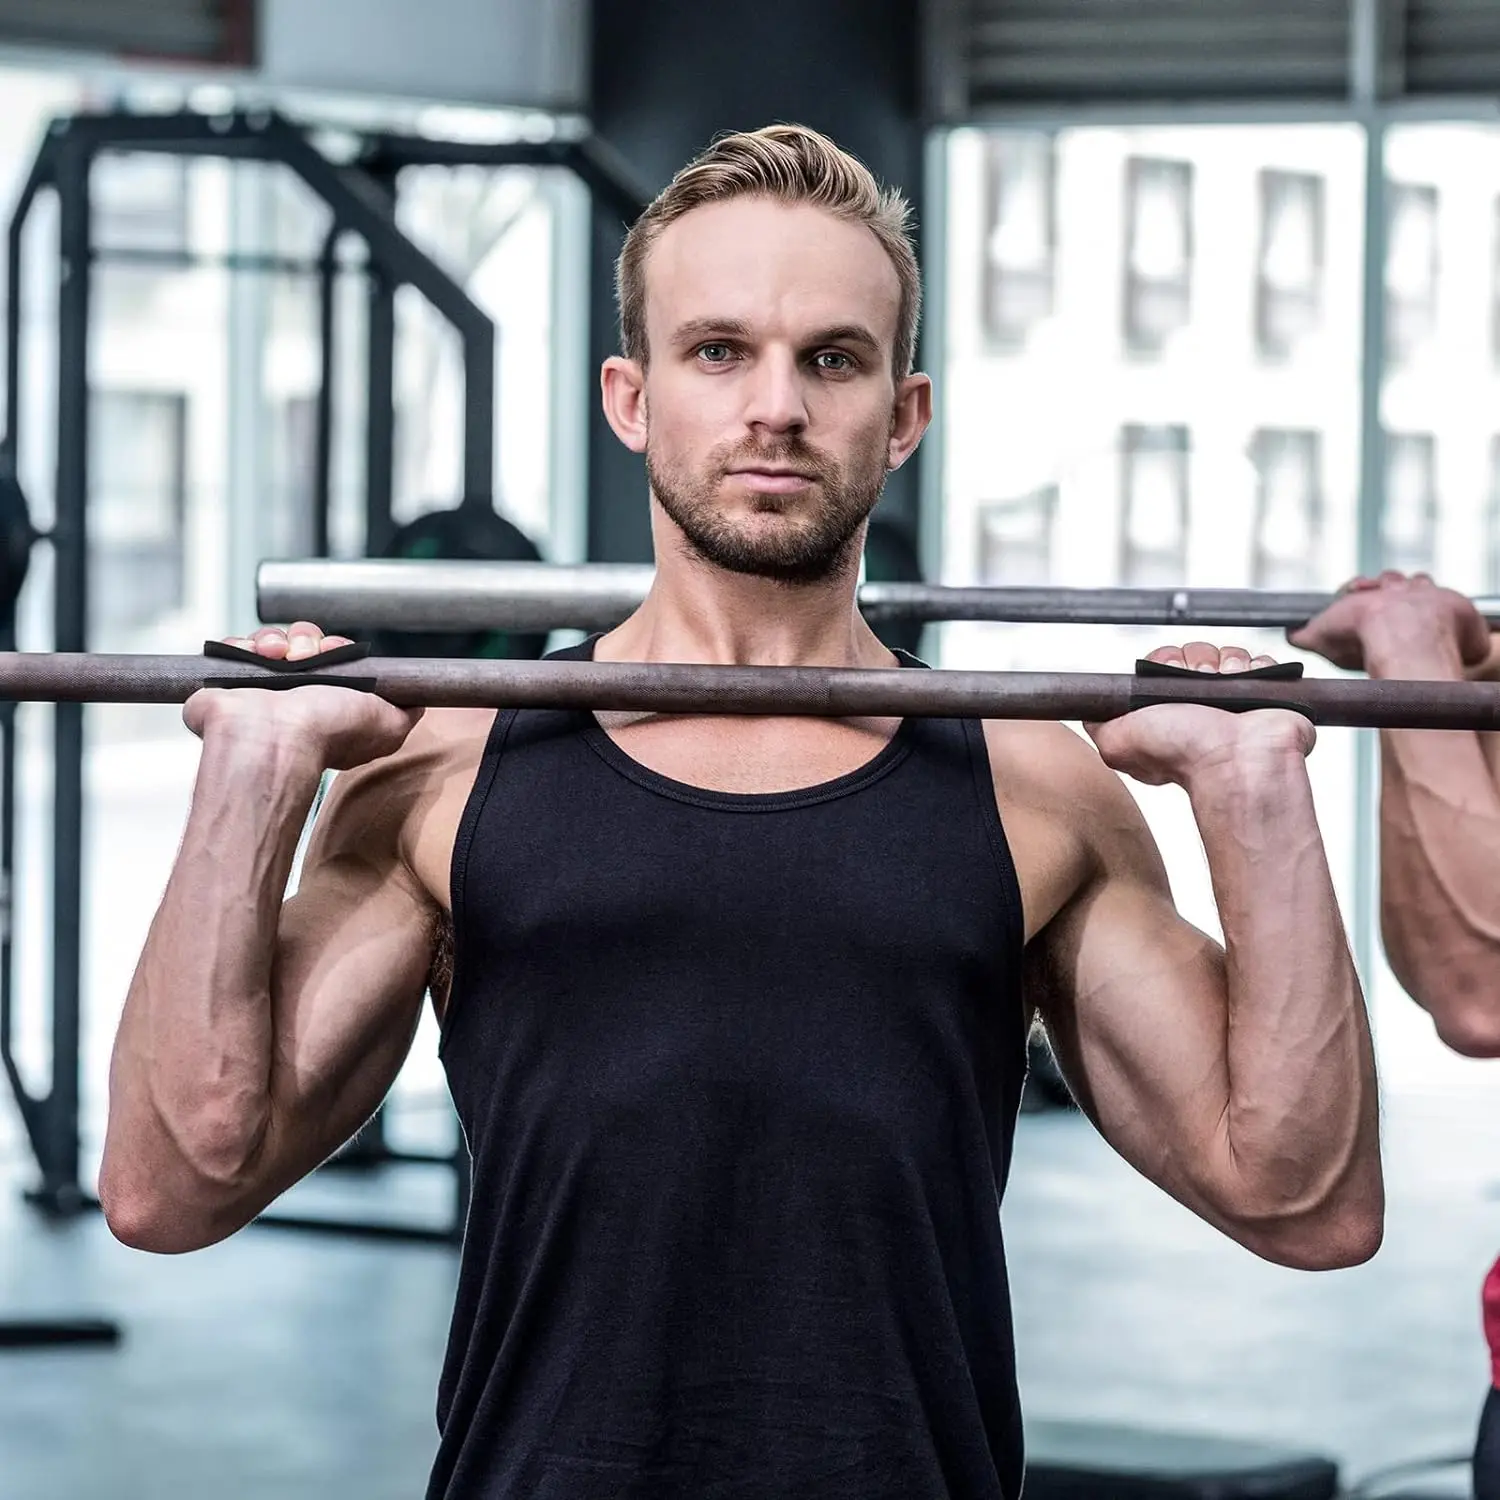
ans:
(440, 974)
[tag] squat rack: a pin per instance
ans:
(361, 195)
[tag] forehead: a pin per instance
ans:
(774, 266)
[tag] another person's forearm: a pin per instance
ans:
(190, 1075)
(1440, 864)
(1301, 1123)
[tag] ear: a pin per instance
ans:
(622, 385)
(910, 418)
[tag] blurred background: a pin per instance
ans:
(1213, 299)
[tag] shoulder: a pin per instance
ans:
(403, 810)
(1071, 822)
(1054, 769)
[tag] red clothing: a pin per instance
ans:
(1491, 1302)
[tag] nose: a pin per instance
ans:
(775, 401)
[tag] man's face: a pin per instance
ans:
(769, 393)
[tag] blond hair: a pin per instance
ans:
(791, 164)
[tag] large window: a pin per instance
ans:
(1184, 413)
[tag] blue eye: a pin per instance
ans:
(714, 354)
(845, 361)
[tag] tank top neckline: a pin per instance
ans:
(882, 763)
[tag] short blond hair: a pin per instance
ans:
(791, 164)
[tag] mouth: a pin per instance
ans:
(773, 481)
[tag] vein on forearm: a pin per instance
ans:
(1440, 857)
(1296, 1029)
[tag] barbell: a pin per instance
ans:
(448, 595)
(679, 688)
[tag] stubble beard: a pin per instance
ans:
(820, 548)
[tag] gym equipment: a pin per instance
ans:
(596, 596)
(361, 195)
(1089, 1461)
(469, 533)
(674, 688)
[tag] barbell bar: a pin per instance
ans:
(417, 594)
(677, 688)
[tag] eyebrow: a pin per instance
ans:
(699, 330)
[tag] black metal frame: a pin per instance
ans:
(362, 197)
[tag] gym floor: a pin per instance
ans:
(305, 1366)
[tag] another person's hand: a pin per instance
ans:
(1398, 626)
(1173, 742)
(337, 727)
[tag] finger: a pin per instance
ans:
(1257, 662)
(1359, 585)
(303, 639)
(1201, 656)
(1234, 659)
(270, 640)
(243, 642)
(1168, 656)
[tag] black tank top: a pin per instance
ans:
(739, 1074)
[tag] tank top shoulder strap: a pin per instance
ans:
(502, 733)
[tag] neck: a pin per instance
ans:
(696, 612)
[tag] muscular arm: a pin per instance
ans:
(257, 1036)
(1440, 862)
(1240, 1079)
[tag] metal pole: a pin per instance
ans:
(322, 494)
(60, 1190)
(380, 412)
(828, 692)
(421, 594)
(1365, 923)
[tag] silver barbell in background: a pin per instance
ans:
(405, 594)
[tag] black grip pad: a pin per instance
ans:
(1280, 671)
(290, 674)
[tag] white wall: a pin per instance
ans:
(529, 53)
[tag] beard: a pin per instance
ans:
(818, 546)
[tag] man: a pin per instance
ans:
(733, 1009)
(1439, 844)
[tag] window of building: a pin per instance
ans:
(140, 202)
(1020, 236)
(1411, 270)
(1289, 263)
(1288, 508)
(1158, 251)
(1154, 487)
(1409, 526)
(137, 507)
(1015, 538)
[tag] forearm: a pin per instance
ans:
(1440, 867)
(1298, 1137)
(191, 1072)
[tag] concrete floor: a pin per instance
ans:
(290, 1365)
